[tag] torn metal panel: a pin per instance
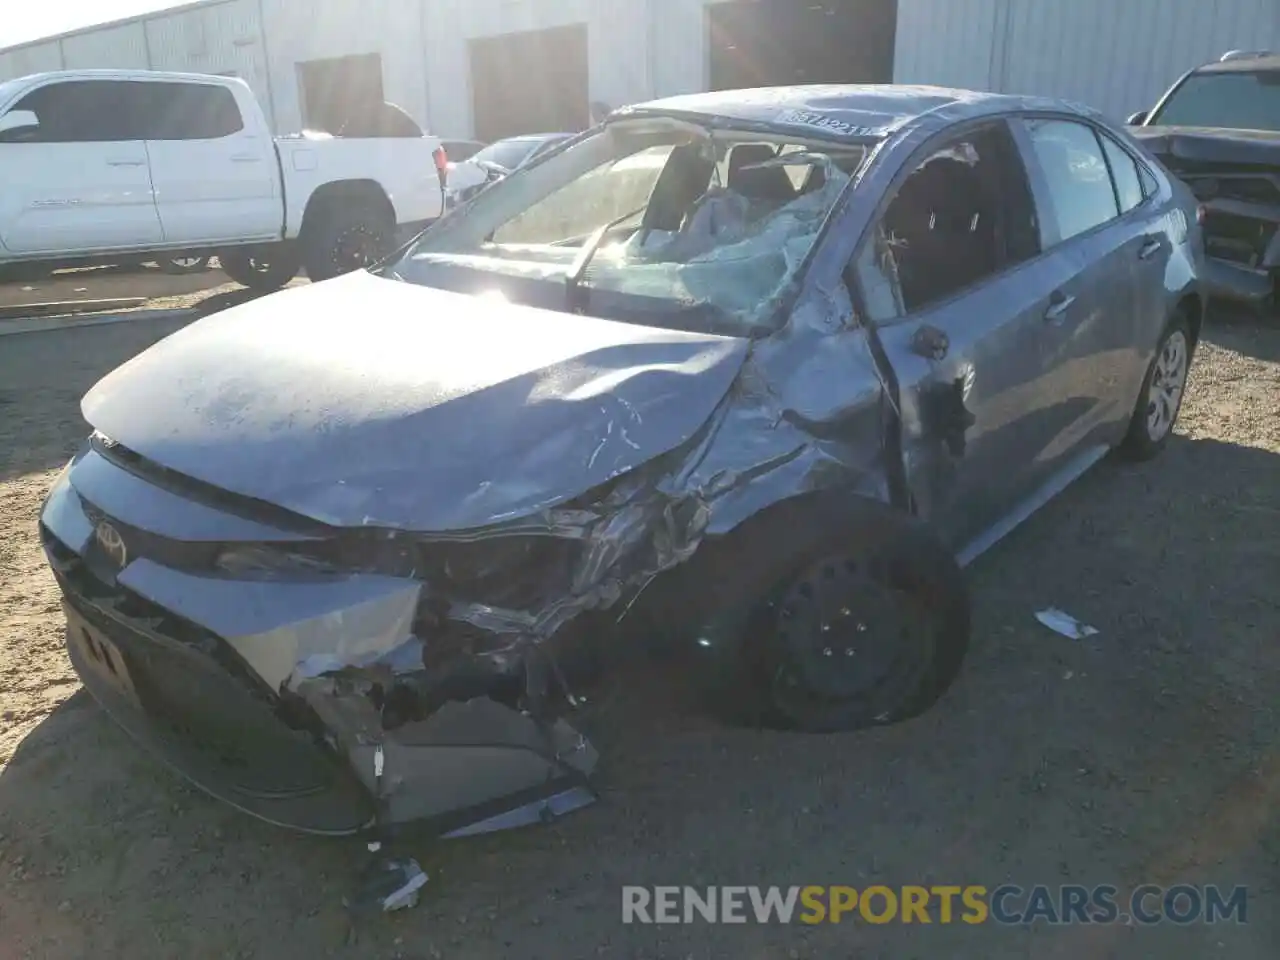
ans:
(461, 757)
(1235, 174)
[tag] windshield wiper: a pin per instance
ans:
(576, 296)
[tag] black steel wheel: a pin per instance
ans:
(865, 626)
(346, 238)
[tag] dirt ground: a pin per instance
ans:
(1149, 753)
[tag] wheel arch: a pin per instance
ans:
(1192, 306)
(738, 566)
(338, 193)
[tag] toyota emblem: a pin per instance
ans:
(112, 544)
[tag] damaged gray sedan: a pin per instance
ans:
(745, 377)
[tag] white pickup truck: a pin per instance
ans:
(102, 166)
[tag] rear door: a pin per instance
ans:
(214, 169)
(1149, 247)
(79, 183)
(1090, 325)
(952, 277)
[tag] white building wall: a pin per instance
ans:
(300, 31)
(36, 58)
(1117, 56)
(617, 48)
(120, 47)
(949, 43)
(224, 38)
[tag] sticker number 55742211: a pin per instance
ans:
(805, 118)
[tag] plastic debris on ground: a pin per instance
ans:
(388, 885)
(1065, 624)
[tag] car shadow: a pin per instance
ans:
(1244, 331)
(1052, 756)
(225, 301)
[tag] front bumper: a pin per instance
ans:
(205, 672)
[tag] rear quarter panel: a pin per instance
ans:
(403, 167)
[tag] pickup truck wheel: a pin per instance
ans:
(181, 265)
(264, 271)
(866, 625)
(345, 238)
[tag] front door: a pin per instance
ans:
(79, 182)
(952, 278)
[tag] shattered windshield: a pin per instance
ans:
(652, 209)
(1235, 100)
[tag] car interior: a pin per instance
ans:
(964, 214)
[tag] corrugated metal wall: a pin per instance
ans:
(1115, 55)
(297, 32)
(617, 31)
(123, 48)
(36, 58)
(223, 38)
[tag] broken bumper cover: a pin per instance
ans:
(242, 684)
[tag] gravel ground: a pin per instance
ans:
(1148, 753)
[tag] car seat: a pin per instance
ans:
(944, 231)
(768, 188)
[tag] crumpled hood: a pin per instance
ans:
(1211, 144)
(365, 401)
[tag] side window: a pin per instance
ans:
(960, 216)
(1124, 170)
(1076, 174)
(1149, 185)
(193, 111)
(87, 111)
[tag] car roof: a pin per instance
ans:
(1245, 64)
(533, 136)
(853, 111)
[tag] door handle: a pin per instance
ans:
(245, 158)
(1149, 249)
(122, 162)
(1059, 304)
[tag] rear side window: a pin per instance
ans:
(192, 111)
(1076, 174)
(1124, 170)
(88, 111)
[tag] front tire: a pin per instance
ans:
(263, 269)
(1160, 399)
(864, 627)
(344, 238)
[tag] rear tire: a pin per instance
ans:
(263, 269)
(344, 237)
(1160, 399)
(866, 626)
